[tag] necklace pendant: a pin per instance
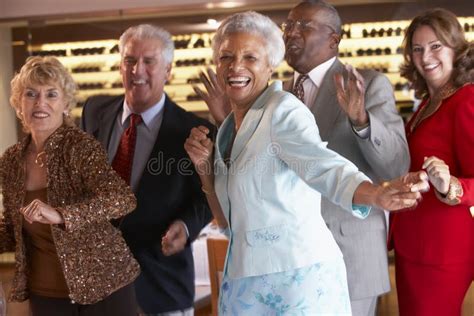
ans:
(40, 159)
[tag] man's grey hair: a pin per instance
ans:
(253, 23)
(330, 17)
(148, 31)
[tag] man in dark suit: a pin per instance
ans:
(171, 207)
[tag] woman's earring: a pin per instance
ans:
(66, 113)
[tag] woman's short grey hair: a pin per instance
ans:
(254, 23)
(148, 31)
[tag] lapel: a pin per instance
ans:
(224, 137)
(251, 120)
(164, 148)
(107, 120)
(326, 110)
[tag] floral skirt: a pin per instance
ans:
(319, 289)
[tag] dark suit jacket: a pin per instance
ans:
(168, 190)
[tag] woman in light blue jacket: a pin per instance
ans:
(264, 186)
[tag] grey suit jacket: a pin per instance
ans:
(383, 155)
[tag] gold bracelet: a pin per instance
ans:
(385, 184)
(454, 194)
(207, 192)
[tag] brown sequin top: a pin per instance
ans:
(45, 275)
(83, 187)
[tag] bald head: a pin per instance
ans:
(328, 14)
(312, 35)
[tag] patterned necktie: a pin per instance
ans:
(123, 159)
(298, 90)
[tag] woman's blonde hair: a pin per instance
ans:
(449, 32)
(42, 71)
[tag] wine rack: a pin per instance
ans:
(95, 64)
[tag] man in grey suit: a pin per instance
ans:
(356, 115)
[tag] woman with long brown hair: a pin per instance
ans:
(434, 244)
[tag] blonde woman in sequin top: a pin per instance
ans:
(59, 195)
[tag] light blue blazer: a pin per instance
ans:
(270, 191)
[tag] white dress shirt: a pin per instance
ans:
(147, 132)
(316, 76)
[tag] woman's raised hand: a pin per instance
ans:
(200, 148)
(215, 97)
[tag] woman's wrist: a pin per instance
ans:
(204, 169)
(366, 194)
(207, 184)
(208, 191)
(453, 195)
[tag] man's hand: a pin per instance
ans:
(175, 239)
(351, 96)
(215, 98)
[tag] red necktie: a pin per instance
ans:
(298, 90)
(124, 157)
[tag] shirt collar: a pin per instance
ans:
(148, 115)
(317, 74)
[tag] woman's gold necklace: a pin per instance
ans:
(433, 104)
(40, 159)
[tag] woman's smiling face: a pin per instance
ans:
(43, 107)
(243, 68)
(433, 60)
